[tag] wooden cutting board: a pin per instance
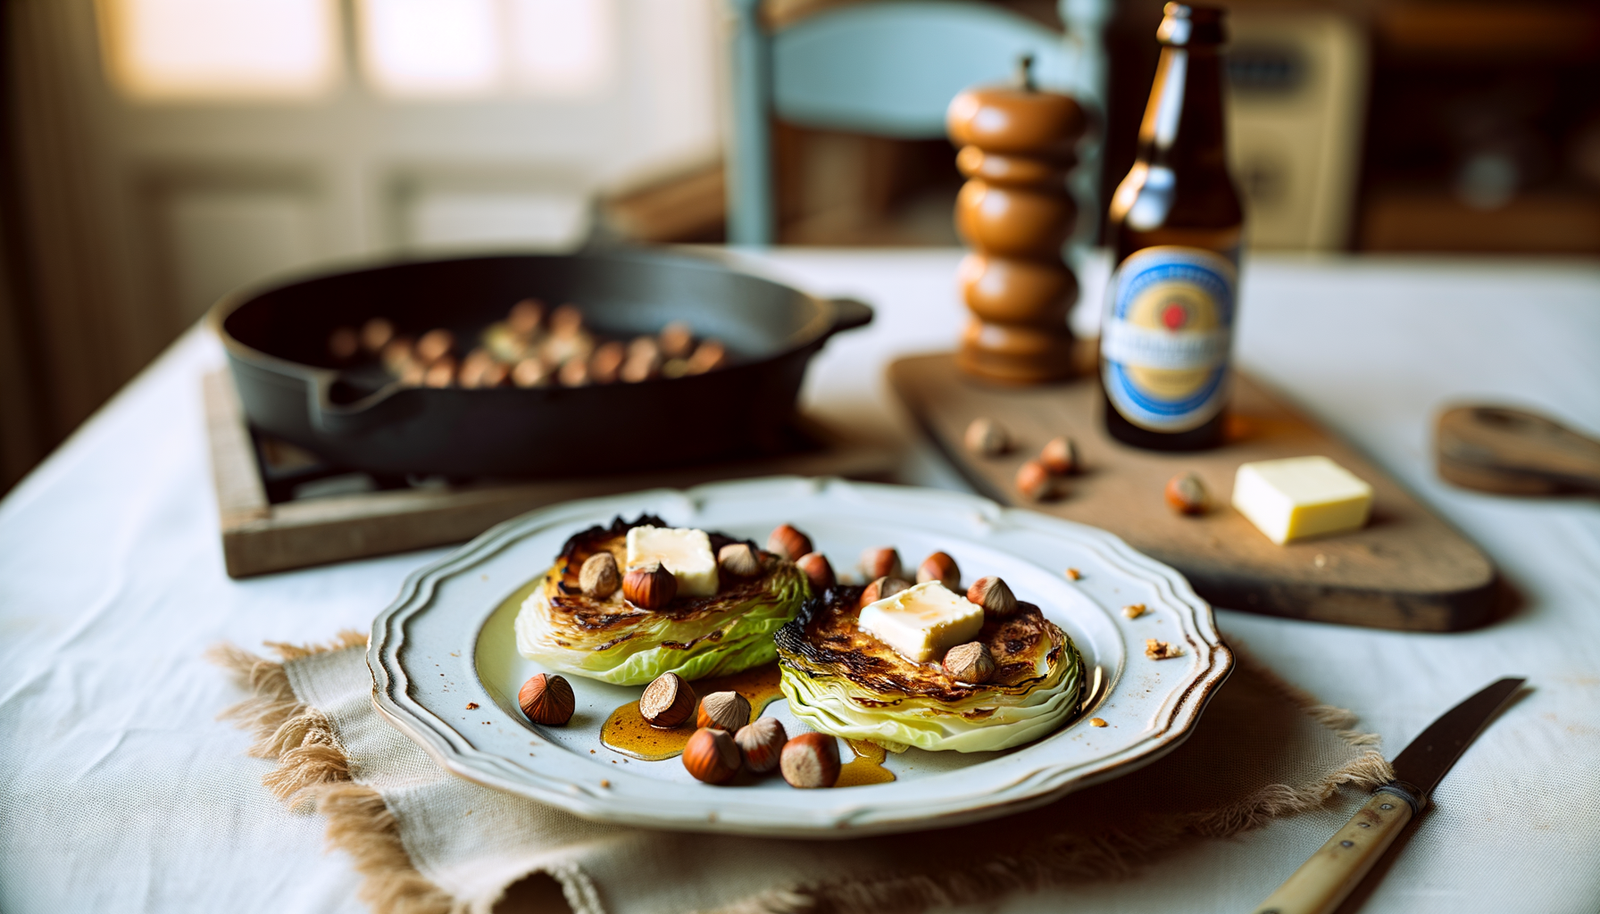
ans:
(260, 535)
(1406, 570)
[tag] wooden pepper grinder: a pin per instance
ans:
(1015, 212)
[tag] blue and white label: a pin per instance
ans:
(1167, 337)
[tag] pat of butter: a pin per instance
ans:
(683, 551)
(922, 622)
(1300, 497)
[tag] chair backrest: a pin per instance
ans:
(885, 68)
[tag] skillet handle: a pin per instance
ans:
(355, 418)
(848, 314)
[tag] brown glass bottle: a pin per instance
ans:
(1175, 225)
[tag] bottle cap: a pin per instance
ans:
(1188, 26)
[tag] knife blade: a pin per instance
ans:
(1323, 881)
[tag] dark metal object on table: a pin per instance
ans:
(363, 419)
(1323, 882)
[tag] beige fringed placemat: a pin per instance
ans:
(427, 841)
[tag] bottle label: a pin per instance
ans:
(1166, 338)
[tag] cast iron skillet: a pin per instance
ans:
(276, 341)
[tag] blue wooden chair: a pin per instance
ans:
(890, 69)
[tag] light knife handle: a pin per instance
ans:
(1323, 881)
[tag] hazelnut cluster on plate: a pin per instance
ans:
(927, 664)
(726, 740)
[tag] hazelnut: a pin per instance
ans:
(1186, 494)
(987, 438)
(942, 568)
(643, 362)
(970, 662)
(376, 334)
(1060, 456)
(435, 345)
(739, 560)
(547, 699)
(1034, 481)
(574, 372)
(761, 743)
(566, 321)
(723, 711)
(817, 569)
(708, 356)
(494, 375)
(676, 340)
(398, 355)
(525, 316)
(711, 756)
(645, 347)
(882, 589)
(994, 596)
(344, 343)
(881, 562)
(442, 373)
(788, 543)
(530, 372)
(474, 368)
(605, 365)
(810, 760)
(667, 702)
(599, 576)
(1160, 650)
(649, 586)
(412, 374)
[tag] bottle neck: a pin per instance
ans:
(1183, 123)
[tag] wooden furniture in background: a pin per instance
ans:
(1016, 214)
(1407, 569)
(261, 536)
(883, 69)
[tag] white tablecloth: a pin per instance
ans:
(119, 791)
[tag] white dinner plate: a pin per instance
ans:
(446, 670)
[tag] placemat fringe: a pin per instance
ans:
(312, 766)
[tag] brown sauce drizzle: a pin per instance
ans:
(866, 767)
(627, 732)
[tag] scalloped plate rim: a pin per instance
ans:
(454, 751)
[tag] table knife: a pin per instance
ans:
(1323, 881)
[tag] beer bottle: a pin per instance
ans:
(1175, 225)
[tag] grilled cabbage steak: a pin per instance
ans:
(844, 681)
(615, 641)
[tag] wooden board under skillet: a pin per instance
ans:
(1407, 569)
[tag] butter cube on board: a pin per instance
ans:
(922, 622)
(681, 550)
(1300, 497)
